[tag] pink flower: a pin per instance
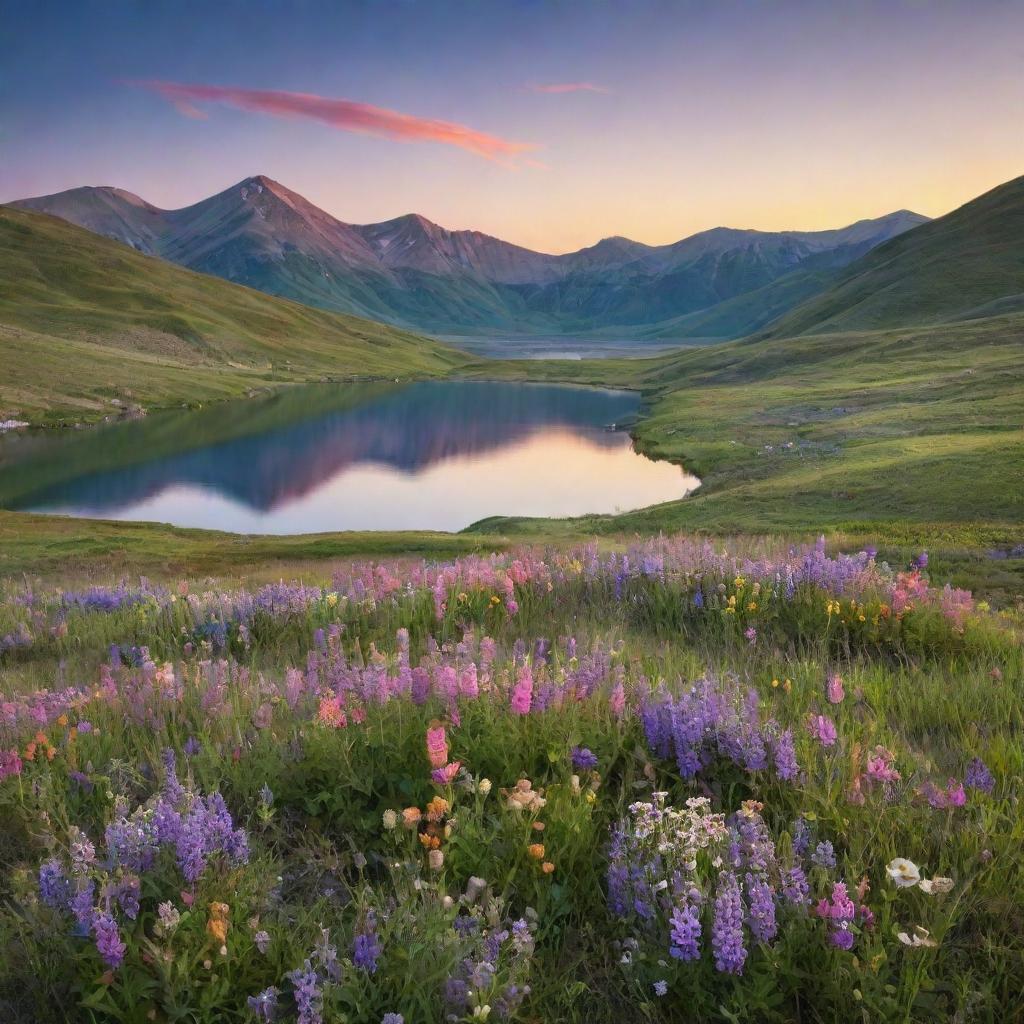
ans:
(10, 763)
(880, 766)
(823, 729)
(834, 688)
(331, 713)
(445, 775)
(437, 745)
(511, 606)
(522, 693)
(618, 699)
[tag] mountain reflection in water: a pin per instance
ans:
(430, 455)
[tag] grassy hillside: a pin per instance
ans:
(967, 264)
(909, 433)
(85, 320)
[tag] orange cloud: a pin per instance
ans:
(345, 115)
(555, 87)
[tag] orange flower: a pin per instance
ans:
(437, 808)
(411, 817)
(430, 842)
(218, 925)
(62, 721)
(536, 850)
(30, 752)
(547, 867)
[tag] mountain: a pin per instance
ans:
(412, 272)
(968, 264)
(85, 321)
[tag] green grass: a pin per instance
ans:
(85, 320)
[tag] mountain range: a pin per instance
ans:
(410, 272)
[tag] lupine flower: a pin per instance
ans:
(366, 948)
(660, 987)
(264, 1004)
(824, 855)
(761, 908)
(308, 997)
(108, 940)
(262, 941)
(727, 929)
(392, 1018)
(684, 932)
(979, 777)
(522, 693)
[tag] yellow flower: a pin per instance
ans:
(787, 685)
(218, 926)
(775, 684)
(332, 600)
(752, 607)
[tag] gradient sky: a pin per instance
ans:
(551, 124)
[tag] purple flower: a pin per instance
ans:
(262, 940)
(824, 855)
(108, 939)
(761, 913)
(979, 777)
(366, 949)
(392, 1018)
(785, 756)
(684, 931)
(306, 990)
(583, 759)
(823, 729)
(795, 887)
(727, 929)
(264, 1004)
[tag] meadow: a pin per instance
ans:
(677, 779)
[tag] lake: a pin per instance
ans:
(435, 455)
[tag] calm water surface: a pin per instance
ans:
(432, 455)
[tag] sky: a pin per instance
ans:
(549, 123)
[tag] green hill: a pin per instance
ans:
(86, 321)
(966, 265)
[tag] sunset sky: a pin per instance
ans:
(550, 124)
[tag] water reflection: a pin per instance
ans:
(432, 455)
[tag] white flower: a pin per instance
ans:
(921, 937)
(903, 872)
(484, 787)
(474, 888)
(390, 819)
(937, 886)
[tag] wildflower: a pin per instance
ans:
(903, 872)
(54, 886)
(306, 990)
(331, 713)
(411, 817)
(536, 851)
(727, 930)
(266, 796)
(437, 809)
(823, 729)
(435, 858)
(684, 931)
(522, 693)
(524, 797)
(217, 925)
(920, 937)
(392, 1018)
(264, 1004)
(785, 756)
(10, 763)
(824, 855)
(437, 745)
(262, 941)
(660, 988)
(366, 948)
(547, 867)
(583, 759)
(834, 688)
(937, 886)
(475, 888)
(168, 919)
(979, 777)
(445, 775)
(761, 902)
(108, 940)
(751, 635)
(483, 787)
(390, 819)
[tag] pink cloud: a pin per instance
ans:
(345, 115)
(555, 87)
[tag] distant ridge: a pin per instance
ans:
(412, 272)
(968, 264)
